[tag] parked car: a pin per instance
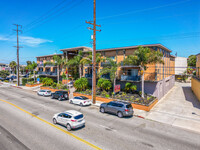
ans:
(60, 95)
(2, 79)
(72, 119)
(44, 92)
(80, 100)
(119, 108)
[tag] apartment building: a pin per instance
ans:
(4, 67)
(46, 66)
(159, 78)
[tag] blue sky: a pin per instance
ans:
(51, 25)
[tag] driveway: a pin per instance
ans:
(179, 108)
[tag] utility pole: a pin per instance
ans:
(94, 52)
(17, 31)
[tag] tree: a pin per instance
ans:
(81, 84)
(110, 68)
(76, 61)
(59, 62)
(88, 60)
(142, 57)
(34, 65)
(192, 61)
(13, 65)
(28, 62)
(4, 73)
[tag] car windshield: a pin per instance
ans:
(83, 97)
(129, 106)
(79, 116)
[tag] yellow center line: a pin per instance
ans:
(74, 136)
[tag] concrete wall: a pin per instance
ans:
(180, 65)
(196, 87)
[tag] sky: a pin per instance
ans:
(51, 25)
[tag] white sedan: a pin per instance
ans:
(72, 119)
(80, 100)
(44, 92)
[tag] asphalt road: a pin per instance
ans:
(102, 131)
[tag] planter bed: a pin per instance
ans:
(51, 89)
(33, 85)
(134, 105)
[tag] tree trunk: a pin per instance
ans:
(34, 75)
(114, 85)
(58, 74)
(142, 82)
(80, 71)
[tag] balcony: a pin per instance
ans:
(40, 65)
(130, 78)
(127, 65)
(47, 73)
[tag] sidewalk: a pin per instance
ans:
(178, 108)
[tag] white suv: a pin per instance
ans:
(72, 119)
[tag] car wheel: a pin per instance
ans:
(71, 102)
(43, 95)
(54, 121)
(60, 98)
(119, 114)
(68, 127)
(102, 110)
(81, 104)
(52, 97)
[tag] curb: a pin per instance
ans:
(17, 87)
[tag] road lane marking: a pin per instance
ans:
(74, 136)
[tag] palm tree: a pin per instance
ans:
(34, 65)
(59, 62)
(142, 57)
(110, 68)
(88, 60)
(13, 65)
(76, 61)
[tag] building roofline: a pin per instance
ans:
(197, 54)
(49, 55)
(2, 64)
(136, 46)
(76, 48)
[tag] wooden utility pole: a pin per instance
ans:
(17, 31)
(94, 52)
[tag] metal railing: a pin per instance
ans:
(130, 78)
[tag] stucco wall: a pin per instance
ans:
(196, 87)
(180, 65)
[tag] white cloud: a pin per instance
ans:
(26, 40)
(3, 38)
(31, 41)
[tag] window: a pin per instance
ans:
(66, 116)
(79, 116)
(60, 115)
(110, 104)
(119, 105)
(83, 97)
(112, 57)
(129, 106)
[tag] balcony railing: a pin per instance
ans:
(130, 78)
(127, 65)
(47, 73)
(40, 65)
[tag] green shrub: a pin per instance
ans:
(104, 93)
(128, 86)
(25, 80)
(133, 88)
(64, 76)
(5, 80)
(104, 84)
(54, 85)
(81, 84)
(47, 81)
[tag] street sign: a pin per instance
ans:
(38, 80)
(117, 88)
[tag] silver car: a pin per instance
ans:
(119, 108)
(44, 92)
(72, 119)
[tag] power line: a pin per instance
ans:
(142, 10)
(56, 14)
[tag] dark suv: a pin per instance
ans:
(60, 95)
(119, 108)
